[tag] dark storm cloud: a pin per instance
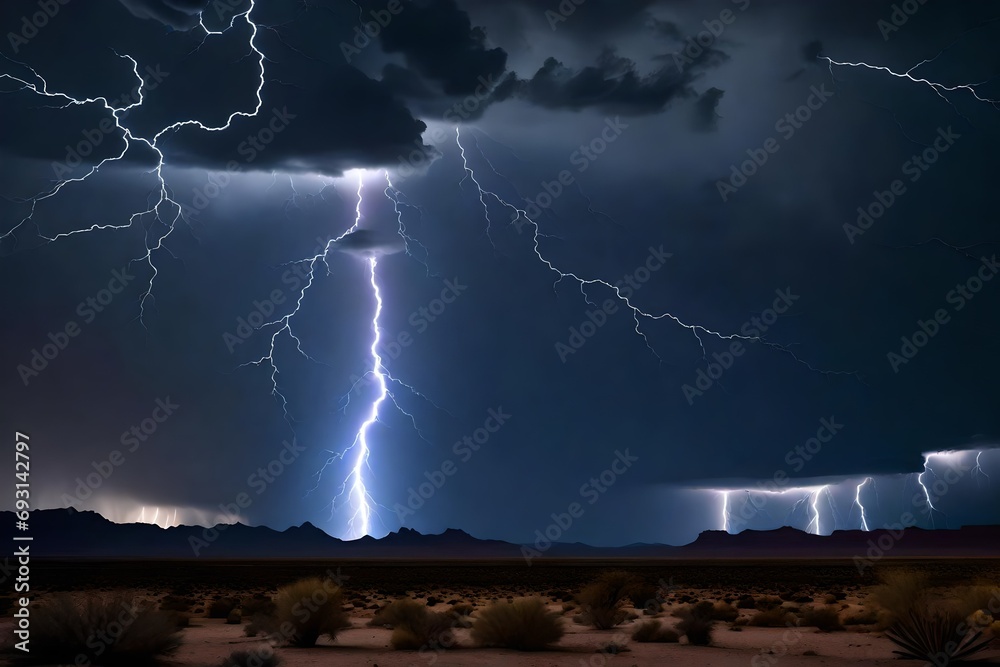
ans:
(439, 42)
(706, 116)
(613, 84)
(368, 243)
(179, 14)
(316, 114)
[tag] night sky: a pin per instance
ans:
(775, 234)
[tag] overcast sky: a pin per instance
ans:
(776, 266)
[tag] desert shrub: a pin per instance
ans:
(644, 595)
(938, 636)
(862, 617)
(746, 602)
(251, 659)
(524, 625)
(654, 631)
(900, 592)
(603, 601)
(968, 600)
(775, 617)
(258, 604)
(261, 624)
(234, 617)
(824, 618)
(117, 628)
(766, 602)
(430, 629)
(696, 623)
(396, 612)
(723, 611)
(829, 598)
(311, 607)
(221, 608)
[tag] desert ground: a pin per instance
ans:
(215, 602)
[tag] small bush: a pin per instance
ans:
(397, 612)
(431, 629)
(117, 628)
(776, 617)
(825, 619)
(766, 602)
(900, 592)
(723, 611)
(234, 617)
(696, 623)
(258, 604)
(524, 625)
(862, 617)
(746, 602)
(311, 607)
(251, 659)
(221, 608)
(654, 631)
(603, 601)
(261, 624)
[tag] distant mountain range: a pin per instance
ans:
(60, 533)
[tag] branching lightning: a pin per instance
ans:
(583, 283)
(809, 499)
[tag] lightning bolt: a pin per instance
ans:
(940, 89)
(583, 283)
(978, 468)
(927, 493)
(857, 501)
(725, 511)
(165, 205)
